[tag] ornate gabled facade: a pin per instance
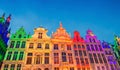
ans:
(96, 54)
(38, 51)
(4, 35)
(62, 51)
(116, 48)
(110, 57)
(80, 52)
(15, 54)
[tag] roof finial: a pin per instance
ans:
(60, 24)
(9, 18)
(3, 15)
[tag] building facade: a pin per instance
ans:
(4, 35)
(96, 54)
(80, 52)
(38, 51)
(110, 57)
(15, 54)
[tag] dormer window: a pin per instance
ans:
(40, 35)
(20, 36)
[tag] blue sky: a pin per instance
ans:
(101, 16)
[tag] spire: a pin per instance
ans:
(60, 24)
(3, 15)
(9, 18)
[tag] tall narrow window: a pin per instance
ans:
(100, 48)
(15, 55)
(19, 67)
(92, 47)
(84, 52)
(12, 67)
(64, 59)
(96, 47)
(56, 58)
(82, 61)
(83, 47)
(56, 68)
(100, 59)
(88, 47)
(12, 44)
(76, 53)
(39, 45)
(70, 58)
(38, 59)
(31, 45)
(75, 46)
(40, 35)
(79, 46)
(23, 44)
(55, 46)
(95, 57)
(9, 55)
(29, 58)
(46, 46)
(46, 58)
(90, 40)
(104, 59)
(21, 55)
(18, 44)
(5, 67)
(86, 60)
(77, 61)
(80, 52)
(68, 47)
(71, 68)
(91, 58)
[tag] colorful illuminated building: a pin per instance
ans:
(62, 51)
(38, 51)
(15, 54)
(116, 48)
(110, 57)
(4, 35)
(96, 54)
(80, 52)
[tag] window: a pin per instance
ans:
(104, 59)
(12, 67)
(46, 58)
(83, 46)
(76, 53)
(15, 55)
(5, 67)
(90, 40)
(46, 46)
(84, 52)
(94, 40)
(86, 60)
(31, 45)
(96, 47)
(82, 61)
(21, 55)
(64, 59)
(56, 58)
(70, 58)
(77, 61)
(55, 46)
(19, 67)
(100, 59)
(79, 46)
(23, 44)
(20, 36)
(18, 44)
(75, 46)
(91, 58)
(103, 68)
(100, 48)
(29, 58)
(98, 68)
(95, 57)
(68, 47)
(39, 45)
(40, 35)
(12, 44)
(92, 47)
(9, 55)
(80, 52)
(88, 47)
(46, 69)
(71, 68)
(56, 68)
(38, 59)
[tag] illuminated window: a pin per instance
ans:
(18, 44)
(9, 55)
(56, 58)
(91, 58)
(12, 67)
(29, 58)
(68, 47)
(70, 58)
(31, 45)
(19, 67)
(55, 46)
(21, 55)
(12, 44)
(64, 59)
(40, 35)
(100, 59)
(46, 58)
(71, 68)
(46, 46)
(15, 55)
(56, 68)
(5, 67)
(95, 57)
(39, 45)
(23, 44)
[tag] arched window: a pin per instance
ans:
(20, 36)
(46, 69)
(46, 46)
